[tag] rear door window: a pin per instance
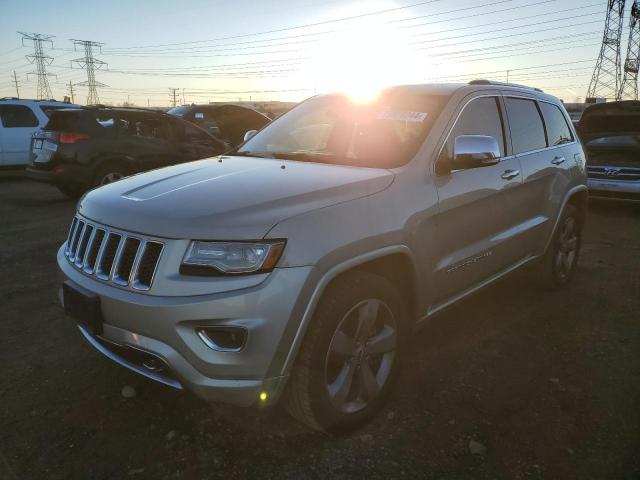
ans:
(17, 116)
(480, 117)
(144, 127)
(525, 122)
(558, 131)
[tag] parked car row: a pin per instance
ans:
(77, 148)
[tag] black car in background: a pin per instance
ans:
(82, 148)
(227, 122)
(610, 133)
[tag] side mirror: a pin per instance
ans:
(473, 151)
(249, 134)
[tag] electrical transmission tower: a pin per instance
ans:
(91, 64)
(16, 84)
(629, 87)
(174, 96)
(605, 82)
(40, 60)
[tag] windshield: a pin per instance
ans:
(180, 111)
(385, 133)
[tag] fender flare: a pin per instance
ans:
(325, 280)
(565, 200)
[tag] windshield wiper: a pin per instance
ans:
(302, 156)
(252, 154)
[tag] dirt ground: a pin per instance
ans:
(547, 382)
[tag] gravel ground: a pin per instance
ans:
(512, 383)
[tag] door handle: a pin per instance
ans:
(557, 160)
(509, 174)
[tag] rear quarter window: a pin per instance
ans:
(17, 116)
(81, 121)
(558, 131)
(49, 109)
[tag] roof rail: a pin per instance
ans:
(9, 98)
(483, 81)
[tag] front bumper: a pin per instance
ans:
(615, 189)
(165, 328)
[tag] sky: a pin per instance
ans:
(249, 50)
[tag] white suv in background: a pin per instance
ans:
(19, 119)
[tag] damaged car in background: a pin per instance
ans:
(610, 133)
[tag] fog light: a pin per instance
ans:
(263, 396)
(223, 339)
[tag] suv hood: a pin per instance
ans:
(610, 120)
(226, 198)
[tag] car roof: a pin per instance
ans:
(475, 85)
(104, 108)
(448, 89)
(28, 101)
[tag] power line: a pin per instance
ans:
(284, 29)
(289, 37)
(41, 61)
(91, 64)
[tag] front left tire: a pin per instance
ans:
(350, 357)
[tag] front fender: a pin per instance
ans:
(311, 294)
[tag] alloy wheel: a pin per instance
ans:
(361, 355)
(111, 177)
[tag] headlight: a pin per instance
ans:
(211, 258)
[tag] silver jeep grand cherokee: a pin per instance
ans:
(297, 265)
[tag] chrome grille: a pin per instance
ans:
(614, 173)
(112, 256)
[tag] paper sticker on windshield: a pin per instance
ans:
(417, 117)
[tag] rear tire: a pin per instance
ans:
(350, 357)
(557, 266)
(110, 172)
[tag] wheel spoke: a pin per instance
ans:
(343, 344)
(341, 387)
(383, 342)
(369, 381)
(566, 264)
(367, 315)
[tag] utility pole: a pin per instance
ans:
(15, 82)
(91, 64)
(174, 95)
(605, 82)
(508, 75)
(40, 60)
(184, 102)
(73, 98)
(629, 87)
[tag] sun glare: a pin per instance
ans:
(361, 60)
